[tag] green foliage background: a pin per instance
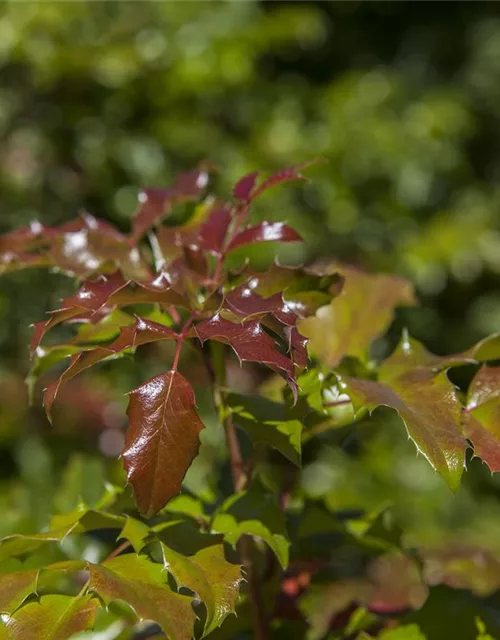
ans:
(403, 99)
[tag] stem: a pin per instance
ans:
(116, 552)
(217, 370)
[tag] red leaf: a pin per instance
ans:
(297, 346)
(156, 202)
(242, 190)
(91, 296)
(245, 302)
(213, 232)
(482, 417)
(162, 439)
(108, 291)
(285, 175)
(249, 341)
(265, 232)
(142, 332)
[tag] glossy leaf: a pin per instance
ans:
(341, 328)
(54, 617)
(142, 332)
(142, 584)
(482, 416)
(105, 294)
(430, 410)
(246, 303)
(249, 341)
(14, 588)
(162, 439)
(266, 424)
(208, 574)
(247, 189)
(242, 190)
(255, 513)
(156, 203)
(213, 231)
(264, 232)
(135, 532)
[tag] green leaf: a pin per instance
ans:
(430, 410)
(406, 632)
(253, 512)
(342, 328)
(482, 416)
(142, 584)
(135, 532)
(208, 574)
(54, 617)
(186, 505)
(265, 423)
(20, 545)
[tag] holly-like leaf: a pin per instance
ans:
(156, 203)
(142, 332)
(482, 416)
(264, 232)
(411, 354)
(249, 341)
(213, 232)
(53, 617)
(142, 584)
(253, 512)
(135, 532)
(162, 439)
(20, 544)
(244, 302)
(247, 189)
(341, 328)
(103, 295)
(208, 574)
(266, 423)
(14, 588)
(430, 410)
(242, 190)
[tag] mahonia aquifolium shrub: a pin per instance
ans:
(180, 563)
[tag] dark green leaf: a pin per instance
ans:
(253, 512)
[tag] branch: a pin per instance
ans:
(217, 370)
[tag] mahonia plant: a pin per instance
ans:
(180, 564)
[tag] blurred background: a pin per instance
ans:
(100, 98)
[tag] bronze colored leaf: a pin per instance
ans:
(162, 439)
(342, 327)
(142, 584)
(54, 617)
(482, 416)
(208, 574)
(430, 410)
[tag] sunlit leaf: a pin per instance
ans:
(264, 232)
(53, 617)
(142, 584)
(208, 574)
(155, 203)
(430, 410)
(482, 416)
(341, 328)
(162, 439)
